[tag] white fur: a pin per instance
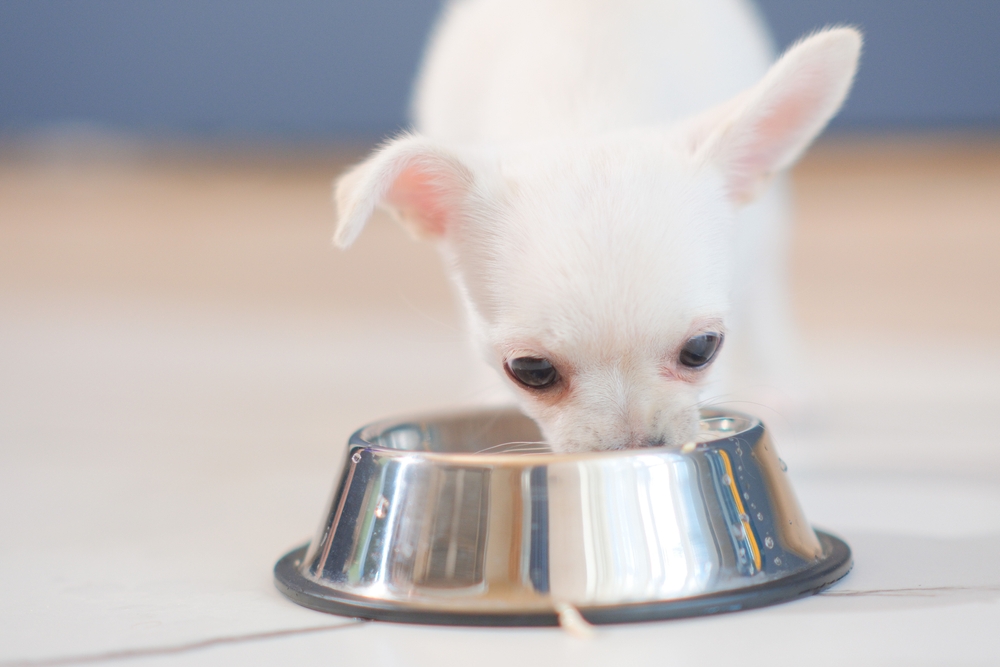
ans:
(588, 168)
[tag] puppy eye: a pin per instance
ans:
(700, 350)
(533, 372)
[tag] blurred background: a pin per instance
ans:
(183, 353)
(336, 70)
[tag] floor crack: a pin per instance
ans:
(176, 648)
(919, 591)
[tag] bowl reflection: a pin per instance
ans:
(468, 519)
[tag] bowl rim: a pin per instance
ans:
(362, 439)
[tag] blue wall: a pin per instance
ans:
(926, 64)
(341, 69)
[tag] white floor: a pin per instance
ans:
(182, 356)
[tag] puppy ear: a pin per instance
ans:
(766, 128)
(419, 183)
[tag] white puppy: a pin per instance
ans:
(593, 172)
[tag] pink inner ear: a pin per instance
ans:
(781, 129)
(423, 199)
(776, 134)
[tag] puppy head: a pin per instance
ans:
(596, 274)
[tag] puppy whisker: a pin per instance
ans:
(459, 334)
(756, 404)
(516, 447)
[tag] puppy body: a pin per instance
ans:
(592, 172)
(499, 71)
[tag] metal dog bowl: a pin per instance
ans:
(432, 522)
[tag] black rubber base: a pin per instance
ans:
(824, 573)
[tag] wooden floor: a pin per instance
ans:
(900, 236)
(896, 235)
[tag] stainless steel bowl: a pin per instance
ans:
(452, 519)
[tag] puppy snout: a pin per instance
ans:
(668, 430)
(595, 427)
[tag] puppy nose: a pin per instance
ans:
(643, 440)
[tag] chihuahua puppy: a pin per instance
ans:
(594, 174)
